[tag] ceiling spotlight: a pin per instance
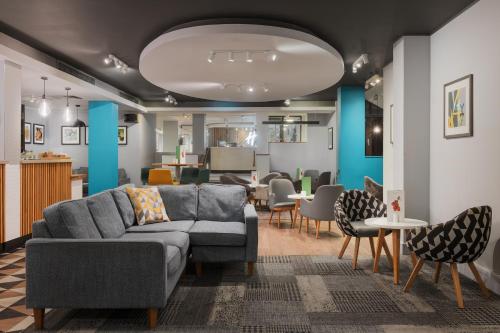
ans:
(211, 57)
(373, 81)
(119, 64)
(108, 60)
(287, 102)
(362, 60)
(266, 89)
(249, 57)
(230, 57)
(377, 130)
(250, 89)
(274, 56)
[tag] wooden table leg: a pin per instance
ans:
(396, 234)
(295, 213)
(380, 241)
(413, 259)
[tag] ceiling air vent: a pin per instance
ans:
(75, 72)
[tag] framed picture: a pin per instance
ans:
(38, 134)
(122, 135)
(70, 135)
(86, 135)
(330, 138)
(457, 111)
(27, 132)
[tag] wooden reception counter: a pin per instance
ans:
(43, 182)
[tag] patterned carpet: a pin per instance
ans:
(301, 294)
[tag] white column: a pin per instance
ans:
(411, 82)
(199, 143)
(10, 111)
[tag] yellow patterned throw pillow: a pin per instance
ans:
(148, 205)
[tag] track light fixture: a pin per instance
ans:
(248, 55)
(118, 63)
(170, 99)
(362, 60)
(44, 107)
(373, 81)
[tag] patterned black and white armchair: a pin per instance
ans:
(458, 241)
(351, 209)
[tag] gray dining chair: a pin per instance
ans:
(321, 208)
(279, 190)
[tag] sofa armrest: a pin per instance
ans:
(252, 228)
(96, 273)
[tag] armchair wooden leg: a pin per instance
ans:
(317, 229)
(271, 218)
(39, 314)
(152, 318)
(279, 218)
(300, 225)
(437, 272)
(456, 285)
(344, 246)
(414, 259)
(479, 280)
(307, 224)
(199, 269)
(372, 246)
(413, 275)
(356, 252)
(291, 217)
(329, 226)
(250, 265)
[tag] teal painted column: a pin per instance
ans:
(103, 146)
(352, 162)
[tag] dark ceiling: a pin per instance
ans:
(83, 32)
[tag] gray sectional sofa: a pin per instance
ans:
(90, 253)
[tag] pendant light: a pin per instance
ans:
(67, 111)
(78, 122)
(44, 107)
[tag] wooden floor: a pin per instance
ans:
(287, 241)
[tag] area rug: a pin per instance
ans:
(301, 294)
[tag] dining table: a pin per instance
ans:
(383, 224)
(298, 197)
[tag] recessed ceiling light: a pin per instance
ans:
(287, 102)
(230, 57)
(250, 89)
(376, 130)
(274, 56)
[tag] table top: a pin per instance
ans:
(299, 196)
(382, 222)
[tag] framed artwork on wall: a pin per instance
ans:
(38, 134)
(86, 135)
(457, 110)
(122, 135)
(27, 132)
(70, 135)
(330, 138)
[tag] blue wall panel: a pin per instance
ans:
(103, 146)
(353, 164)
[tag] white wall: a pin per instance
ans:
(465, 172)
(313, 154)
(388, 93)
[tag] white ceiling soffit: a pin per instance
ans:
(248, 109)
(211, 62)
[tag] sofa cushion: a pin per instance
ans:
(174, 238)
(183, 225)
(124, 207)
(106, 216)
(173, 259)
(223, 203)
(218, 233)
(180, 201)
(71, 219)
(148, 205)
